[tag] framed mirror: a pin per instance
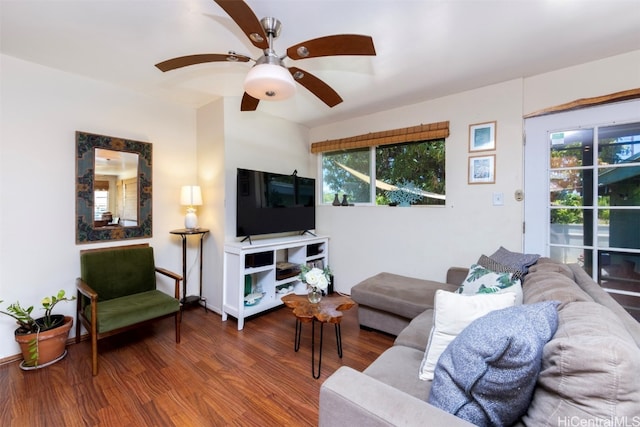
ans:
(113, 188)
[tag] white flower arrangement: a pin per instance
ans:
(315, 277)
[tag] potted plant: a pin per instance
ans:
(43, 340)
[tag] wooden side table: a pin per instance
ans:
(328, 310)
(184, 233)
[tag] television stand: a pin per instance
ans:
(256, 276)
(308, 232)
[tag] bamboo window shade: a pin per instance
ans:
(395, 136)
(101, 186)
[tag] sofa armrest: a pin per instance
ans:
(174, 276)
(456, 275)
(349, 397)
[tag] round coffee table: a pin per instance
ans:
(328, 310)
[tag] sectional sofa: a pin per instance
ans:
(588, 372)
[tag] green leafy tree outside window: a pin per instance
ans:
(348, 172)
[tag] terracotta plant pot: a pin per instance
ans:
(51, 345)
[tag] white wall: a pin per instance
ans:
(425, 241)
(211, 176)
(254, 140)
(41, 109)
(608, 75)
(229, 139)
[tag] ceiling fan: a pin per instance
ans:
(269, 78)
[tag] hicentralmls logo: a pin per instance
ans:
(599, 422)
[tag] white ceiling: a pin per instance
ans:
(425, 49)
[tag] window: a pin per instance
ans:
(101, 203)
(421, 163)
(351, 172)
(347, 172)
(594, 203)
(412, 157)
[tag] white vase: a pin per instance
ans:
(191, 220)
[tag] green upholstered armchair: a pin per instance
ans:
(117, 292)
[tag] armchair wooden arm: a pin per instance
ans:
(85, 291)
(174, 276)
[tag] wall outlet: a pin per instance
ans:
(498, 199)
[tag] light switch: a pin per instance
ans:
(498, 199)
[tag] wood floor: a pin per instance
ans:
(217, 375)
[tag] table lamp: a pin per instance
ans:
(191, 196)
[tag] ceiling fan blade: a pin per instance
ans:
(339, 44)
(184, 61)
(248, 22)
(249, 103)
(316, 86)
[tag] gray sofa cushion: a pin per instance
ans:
(548, 265)
(398, 367)
(589, 370)
(416, 335)
(552, 286)
(351, 398)
(401, 295)
(384, 321)
(584, 281)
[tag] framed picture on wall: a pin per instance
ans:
(482, 136)
(482, 169)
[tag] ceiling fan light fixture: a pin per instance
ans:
(256, 37)
(269, 82)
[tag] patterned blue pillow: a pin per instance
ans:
(488, 373)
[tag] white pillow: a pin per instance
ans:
(452, 312)
(481, 280)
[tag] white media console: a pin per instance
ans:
(266, 267)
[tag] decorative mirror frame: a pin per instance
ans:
(85, 176)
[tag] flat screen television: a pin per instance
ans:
(274, 203)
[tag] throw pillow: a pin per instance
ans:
(487, 375)
(452, 312)
(516, 260)
(492, 265)
(481, 280)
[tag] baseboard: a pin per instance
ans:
(18, 357)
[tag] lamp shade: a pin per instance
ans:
(191, 196)
(270, 82)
